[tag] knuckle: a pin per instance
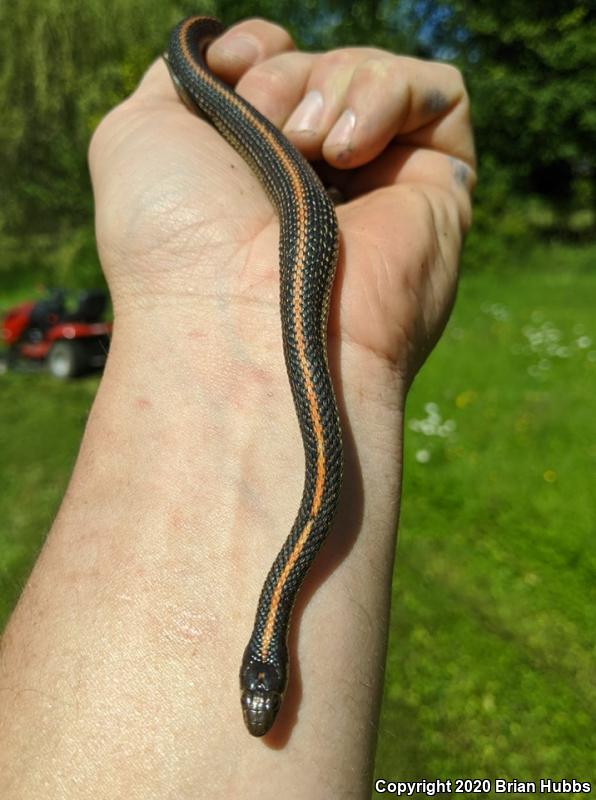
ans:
(455, 77)
(267, 30)
(269, 78)
(334, 59)
(281, 34)
(374, 67)
(395, 76)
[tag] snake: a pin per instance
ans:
(308, 254)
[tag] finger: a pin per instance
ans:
(417, 102)
(277, 86)
(323, 101)
(244, 45)
(371, 97)
(376, 104)
(250, 42)
(411, 166)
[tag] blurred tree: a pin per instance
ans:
(324, 24)
(530, 69)
(65, 64)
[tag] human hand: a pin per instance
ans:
(181, 219)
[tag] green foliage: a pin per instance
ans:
(41, 425)
(529, 68)
(65, 257)
(502, 232)
(325, 24)
(65, 64)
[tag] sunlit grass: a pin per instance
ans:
(41, 423)
(492, 657)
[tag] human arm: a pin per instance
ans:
(120, 662)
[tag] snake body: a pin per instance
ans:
(307, 260)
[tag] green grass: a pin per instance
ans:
(492, 657)
(492, 653)
(41, 424)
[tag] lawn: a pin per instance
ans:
(492, 656)
(41, 424)
(492, 653)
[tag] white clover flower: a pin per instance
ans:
(446, 429)
(548, 342)
(423, 456)
(499, 312)
(495, 310)
(551, 334)
(433, 424)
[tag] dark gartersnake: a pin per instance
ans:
(307, 259)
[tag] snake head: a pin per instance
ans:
(262, 693)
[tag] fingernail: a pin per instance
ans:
(340, 135)
(240, 48)
(308, 114)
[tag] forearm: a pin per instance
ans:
(120, 665)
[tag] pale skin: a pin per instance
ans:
(119, 667)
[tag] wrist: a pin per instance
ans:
(186, 485)
(211, 378)
(196, 423)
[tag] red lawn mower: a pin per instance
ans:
(67, 342)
